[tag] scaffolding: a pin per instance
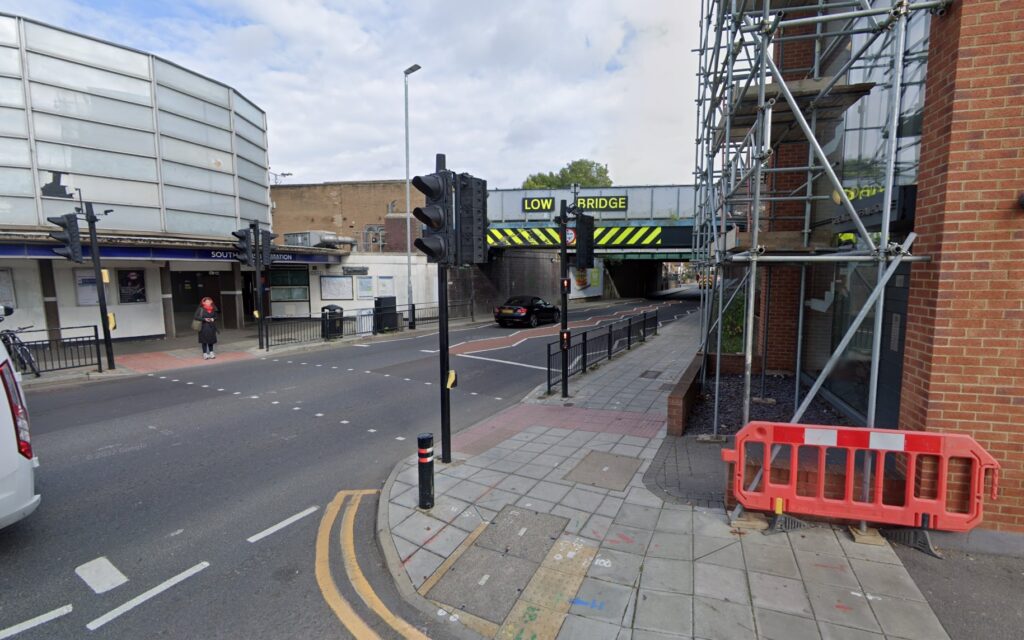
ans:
(751, 103)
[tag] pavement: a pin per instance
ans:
(543, 527)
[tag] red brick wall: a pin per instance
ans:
(964, 357)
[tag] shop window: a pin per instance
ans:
(289, 285)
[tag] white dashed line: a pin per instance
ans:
(428, 383)
(367, 372)
(35, 622)
(319, 365)
(189, 383)
(407, 379)
(254, 397)
(275, 402)
(163, 377)
(101, 575)
(399, 438)
(296, 408)
(319, 415)
(219, 389)
(150, 375)
(371, 431)
(143, 597)
(173, 380)
(334, 367)
(343, 422)
(350, 369)
(281, 525)
(387, 375)
(206, 386)
(497, 398)
(473, 393)
(237, 393)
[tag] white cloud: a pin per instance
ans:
(506, 89)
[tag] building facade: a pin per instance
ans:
(177, 159)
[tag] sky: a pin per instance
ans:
(506, 89)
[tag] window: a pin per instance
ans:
(91, 134)
(7, 297)
(189, 82)
(16, 182)
(249, 151)
(76, 76)
(195, 131)
(251, 133)
(386, 285)
(131, 286)
(10, 61)
(67, 45)
(249, 111)
(8, 30)
(14, 151)
(196, 178)
(142, 194)
(77, 160)
(192, 200)
(289, 285)
(11, 93)
(171, 100)
(82, 105)
(12, 122)
(194, 154)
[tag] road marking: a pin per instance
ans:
(35, 622)
(319, 365)
(496, 398)
(101, 575)
(318, 415)
(522, 532)
(150, 375)
(482, 581)
(275, 402)
(428, 383)
(371, 431)
(328, 588)
(254, 397)
(237, 393)
(387, 375)
(429, 350)
(163, 377)
(359, 581)
(516, 364)
(344, 422)
(334, 367)
(296, 408)
(399, 438)
(302, 363)
(206, 386)
(365, 346)
(189, 383)
(143, 597)
(473, 393)
(175, 380)
(281, 525)
(367, 372)
(219, 389)
(407, 379)
(350, 369)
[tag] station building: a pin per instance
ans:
(179, 161)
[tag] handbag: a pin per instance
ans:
(197, 325)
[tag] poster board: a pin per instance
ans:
(7, 297)
(86, 294)
(587, 283)
(335, 287)
(131, 286)
(386, 285)
(364, 287)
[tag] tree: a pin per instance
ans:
(586, 173)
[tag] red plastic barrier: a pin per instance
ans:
(915, 510)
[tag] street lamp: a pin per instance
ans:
(408, 200)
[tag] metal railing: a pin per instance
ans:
(333, 325)
(588, 348)
(56, 349)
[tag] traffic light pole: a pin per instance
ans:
(442, 345)
(254, 229)
(565, 337)
(94, 251)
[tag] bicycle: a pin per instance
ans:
(19, 350)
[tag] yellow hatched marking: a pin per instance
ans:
(597, 233)
(654, 234)
(543, 237)
(555, 238)
(606, 238)
(511, 233)
(622, 236)
(328, 588)
(359, 581)
(636, 236)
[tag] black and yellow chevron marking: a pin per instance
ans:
(548, 237)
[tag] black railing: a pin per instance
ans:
(333, 324)
(588, 348)
(55, 349)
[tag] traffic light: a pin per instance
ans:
(266, 247)
(584, 241)
(244, 246)
(69, 236)
(471, 199)
(439, 241)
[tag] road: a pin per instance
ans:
(189, 504)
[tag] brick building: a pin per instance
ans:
(952, 347)
(371, 212)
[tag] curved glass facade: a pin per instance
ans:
(170, 151)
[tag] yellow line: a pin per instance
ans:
(328, 588)
(359, 581)
(555, 237)
(654, 234)
(447, 564)
(542, 236)
(608, 235)
(637, 235)
(513, 236)
(597, 233)
(529, 236)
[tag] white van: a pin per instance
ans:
(18, 496)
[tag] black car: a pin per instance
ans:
(526, 310)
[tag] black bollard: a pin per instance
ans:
(425, 449)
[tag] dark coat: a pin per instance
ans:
(208, 332)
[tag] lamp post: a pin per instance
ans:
(408, 200)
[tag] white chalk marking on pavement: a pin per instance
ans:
(516, 364)
(176, 532)
(399, 438)
(143, 597)
(482, 581)
(522, 532)
(35, 622)
(371, 431)
(281, 525)
(101, 575)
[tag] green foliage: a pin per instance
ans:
(732, 328)
(585, 173)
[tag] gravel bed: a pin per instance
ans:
(730, 410)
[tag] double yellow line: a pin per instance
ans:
(348, 617)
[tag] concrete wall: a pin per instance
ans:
(133, 320)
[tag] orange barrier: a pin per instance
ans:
(910, 485)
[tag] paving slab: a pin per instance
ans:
(582, 499)
(879, 578)
(662, 574)
(775, 560)
(720, 583)
(639, 516)
(676, 546)
(596, 527)
(843, 606)
(610, 506)
(605, 470)
(576, 517)
(673, 521)
(663, 612)
(580, 628)
(831, 631)
(484, 582)
(527, 620)
(571, 554)
(548, 491)
(727, 555)
(826, 569)
(819, 539)
(418, 528)
(600, 600)
(779, 594)
(616, 566)
(775, 625)
(720, 620)
(628, 539)
(522, 533)
(421, 565)
(908, 619)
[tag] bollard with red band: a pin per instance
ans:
(922, 455)
(425, 463)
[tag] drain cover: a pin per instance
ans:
(606, 470)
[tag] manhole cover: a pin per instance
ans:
(606, 470)
(650, 374)
(484, 583)
(522, 533)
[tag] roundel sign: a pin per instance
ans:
(570, 236)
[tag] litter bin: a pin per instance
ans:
(332, 322)
(385, 314)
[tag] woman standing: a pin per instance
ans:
(205, 322)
